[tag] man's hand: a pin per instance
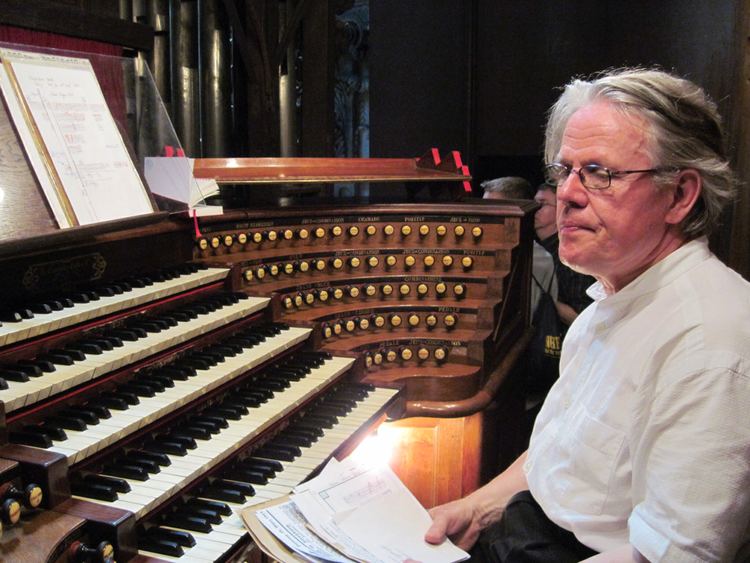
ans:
(456, 520)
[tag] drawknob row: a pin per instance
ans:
(368, 290)
(392, 320)
(352, 262)
(405, 353)
(336, 231)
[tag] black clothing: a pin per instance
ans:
(571, 286)
(526, 535)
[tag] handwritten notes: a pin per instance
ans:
(71, 138)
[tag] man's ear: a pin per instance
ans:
(684, 195)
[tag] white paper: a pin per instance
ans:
(368, 514)
(288, 525)
(79, 133)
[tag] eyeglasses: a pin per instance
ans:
(593, 176)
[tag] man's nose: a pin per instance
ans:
(572, 191)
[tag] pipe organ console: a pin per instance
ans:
(159, 374)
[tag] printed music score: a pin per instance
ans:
(350, 512)
(71, 139)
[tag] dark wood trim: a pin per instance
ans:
(739, 248)
(53, 17)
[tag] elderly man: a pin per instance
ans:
(641, 451)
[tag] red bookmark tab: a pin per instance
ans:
(195, 224)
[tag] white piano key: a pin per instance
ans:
(209, 453)
(21, 394)
(81, 312)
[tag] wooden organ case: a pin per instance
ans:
(157, 374)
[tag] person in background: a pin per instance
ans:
(515, 187)
(641, 451)
(571, 285)
(507, 187)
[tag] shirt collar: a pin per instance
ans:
(660, 274)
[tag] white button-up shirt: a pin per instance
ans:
(645, 438)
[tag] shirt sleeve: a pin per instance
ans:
(693, 464)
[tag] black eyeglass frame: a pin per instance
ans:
(593, 167)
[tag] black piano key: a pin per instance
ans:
(119, 485)
(272, 451)
(235, 404)
(41, 308)
(324, 421)
(209, 359)
(196, 363)
(44, 366)
(114, 341)
(186, 441)
(57, 357)
(100, 410)
(126, 470)
(29, 368)
(180, 316)
(227, 411)
(102, 343)
(38, 439)
(220, 507)
(333, 412)
(67, 422)
(112, 401)
(147, 464)
(148, 326)
(85, 348)
(224, 351)
(185, 539)
(265, 464)
(129, 335)
(209, 427)
(138, 389)
(53, 431)
(244, 488)
(186, 522)
(217, 420)
(93, 490)
(223, 493)
(76, 354)
(162, 380)
(212, 516)
(81, 297)
(253, 476)
(179, 372)
(87, 415)
(301, 432)
(3, 383)
(293, 440)
(308, 426)
(16, 316)
(158, 458)
(166, 446)
(162, 546)
(152, 383)
(167, 320)
(13, 374)
(198, 432)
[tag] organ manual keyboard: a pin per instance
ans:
(146, 400)
(150, 396)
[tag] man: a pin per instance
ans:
(572, 286)
(515, 187)
(641, 451)
(507, 187)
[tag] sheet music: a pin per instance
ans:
(365, 513)
(65, 108)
